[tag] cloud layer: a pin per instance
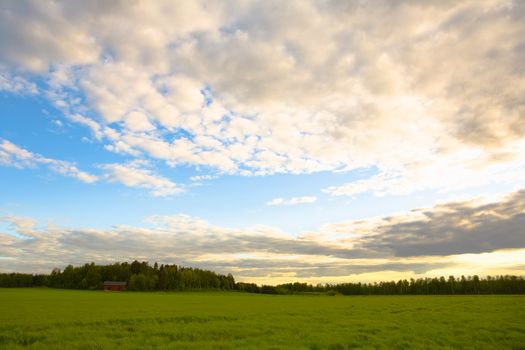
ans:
(448, 238)
(412, 88)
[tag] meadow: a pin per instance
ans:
(40, 318)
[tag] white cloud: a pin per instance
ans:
(376, 184)
(203, 177)
(90, 123)
(16, 84)
(292, 201)
(456, 171)
(306, 86)
(136, 174)
(137, 121)
(13, 155)
(24, 226)
(276, 201)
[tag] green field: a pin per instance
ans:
(65, 319)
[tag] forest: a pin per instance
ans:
(141, 276)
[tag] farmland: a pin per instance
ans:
(39, 318)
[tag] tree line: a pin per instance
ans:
(141, 276)
(422, 286)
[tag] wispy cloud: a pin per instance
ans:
(15, 156)
(16, 84)
(137, 174)
(292, 201)
(203, 177)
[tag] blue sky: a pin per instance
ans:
(264, 143)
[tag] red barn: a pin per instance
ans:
(115, 286)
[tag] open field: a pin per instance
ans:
(66, 319)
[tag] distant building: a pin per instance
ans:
(115, 286)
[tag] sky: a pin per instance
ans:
(313, 141)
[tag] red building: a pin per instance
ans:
(115, 286)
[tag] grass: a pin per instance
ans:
(65, 319)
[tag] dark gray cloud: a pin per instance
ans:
(456, 228)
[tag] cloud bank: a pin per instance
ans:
(453, 237)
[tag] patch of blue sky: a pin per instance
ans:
(31, 123)
(6, 227)
(207, 93)
(240, 201)
(46, 196)
(178, 133)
